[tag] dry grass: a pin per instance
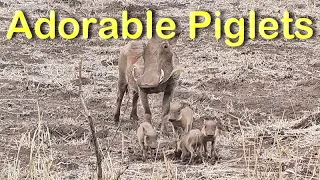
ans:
(260, 91)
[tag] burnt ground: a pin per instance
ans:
(259, 91)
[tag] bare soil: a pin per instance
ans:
(259, 91)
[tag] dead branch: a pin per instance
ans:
(93, 132)
(121, 172)
(306, 122)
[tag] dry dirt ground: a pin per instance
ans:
(259, 91)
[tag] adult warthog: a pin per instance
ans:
(146, 68)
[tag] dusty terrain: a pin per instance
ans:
(259, 91)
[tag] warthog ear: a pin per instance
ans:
(173, 41)
(185, 104)
(144, 131)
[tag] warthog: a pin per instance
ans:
(191, 143)
(181, 117)
(145, 69)
(147, 138)
(210, 131)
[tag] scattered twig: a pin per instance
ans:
(246, 159)
(93, 132)
(121, 172)
(307, 121)
(122, 147)
(168, 166)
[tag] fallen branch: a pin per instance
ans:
(121, 172)
(93, 132)
(307, 121)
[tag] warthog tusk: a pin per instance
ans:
(204, 132)
(161, 75)
(172, 72)
(134, 77)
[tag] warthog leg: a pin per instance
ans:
(213, 152)
(167, 97)
(191, 149)
(145, 104)
(144, 153)
(205, 149)
(122, 88)
(135, 99)
(200, 152)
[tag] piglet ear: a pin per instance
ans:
(144, 130)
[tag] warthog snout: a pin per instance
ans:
(157, 63)
(210, 128)
(149, 78)
(151, 141)
(175, 116)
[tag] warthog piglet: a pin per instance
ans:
(191, 143)
(181, 117)
(210, 131)
(147, 138)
